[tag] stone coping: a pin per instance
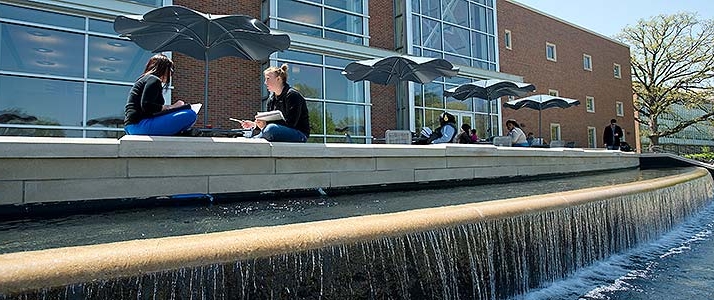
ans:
(31, 270)
(168, 146)
(52, 170)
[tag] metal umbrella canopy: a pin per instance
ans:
(201, 36)
(489, 89)
(540, 103)
(394, 69)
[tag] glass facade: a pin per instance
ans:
(340, 20)
(462, 32)
(63, 75)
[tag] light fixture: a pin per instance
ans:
(43, 50)
(112, 58)
(107, 69)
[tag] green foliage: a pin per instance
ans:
(672, 70)
(706, 156)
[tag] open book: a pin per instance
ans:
(273, 115)
(195, 107)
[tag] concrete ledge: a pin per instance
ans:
(61, 266)
(56, 169)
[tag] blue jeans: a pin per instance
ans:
(168, 124)
(280, 133)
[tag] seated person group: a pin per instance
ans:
(146, 114)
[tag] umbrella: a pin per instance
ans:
(201, 36)
(399, 68)
(540, 103)
(489, 89)
(395, 69)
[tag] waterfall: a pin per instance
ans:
(489, 259)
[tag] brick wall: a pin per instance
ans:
(530, 32)
(381, 31)
(234, 84)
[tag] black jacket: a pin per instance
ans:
(294, 108)
(145, 99)
(609, 138)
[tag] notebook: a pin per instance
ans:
(195, 107)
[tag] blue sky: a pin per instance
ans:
(608, 17)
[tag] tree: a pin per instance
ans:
(672, 59)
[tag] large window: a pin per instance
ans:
(63, 75)
(460, 31)
(335, 103)
(340, 20)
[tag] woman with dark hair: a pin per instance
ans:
(518, 138)
(464, 136)
(295, 126)
(145, 112)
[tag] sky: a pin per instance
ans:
(609, 17)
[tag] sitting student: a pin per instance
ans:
(518, 138)
(295, 127)
(464, 136)
(474, 136)
(446, 132)
(530, 138)
(145, 103)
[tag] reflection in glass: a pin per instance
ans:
(52, 102)
(41, 17)
(101, 26)
(306, 79)
(342, 37)
(345, 116)
(37, 50)
(317, 116)
(303, 29)
(105, 105)
(342, 21)
(338, 87)
(418, 119)
(350, 5)
(337, 62)
(431, 36)
(416, 30)
(112, 59)
(431, 8)
(299, 12)
(479, 45)
(456, 11)
(434, 95)
(456, 40)
(300, 56)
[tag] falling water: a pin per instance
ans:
(491, 259)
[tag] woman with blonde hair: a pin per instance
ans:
(145, 112)
(295, 127)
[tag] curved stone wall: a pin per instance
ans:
(63, 266)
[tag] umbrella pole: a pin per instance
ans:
(540, 134)
(205, 93)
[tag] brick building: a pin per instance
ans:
(77, 87)
(583, 69)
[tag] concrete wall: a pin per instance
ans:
(35, 170)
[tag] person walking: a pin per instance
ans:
(612, 135)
